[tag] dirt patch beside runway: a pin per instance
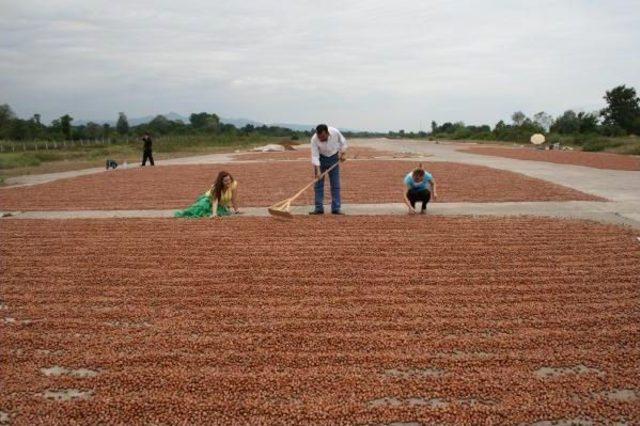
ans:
(598, 160)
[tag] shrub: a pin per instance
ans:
(613, 130)
(595, 144)
(554, 138)
(634, 150)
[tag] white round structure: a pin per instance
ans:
(537, 139)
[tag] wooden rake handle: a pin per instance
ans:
(314, 181)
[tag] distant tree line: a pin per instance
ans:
(60, 129)
(620, 117)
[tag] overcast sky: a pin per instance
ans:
(368, 64)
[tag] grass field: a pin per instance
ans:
(94, 154)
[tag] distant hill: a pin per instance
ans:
(136, 121)
(173, 116)
(297, 127)
(240, 122)
(308, 127)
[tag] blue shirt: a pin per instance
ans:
(414, 186)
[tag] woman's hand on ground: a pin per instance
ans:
(435, 196)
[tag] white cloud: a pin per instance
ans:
(367, 64)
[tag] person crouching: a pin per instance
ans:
(421, 186)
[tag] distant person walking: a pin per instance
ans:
(328, 147)
(147, 149)
(420, 187)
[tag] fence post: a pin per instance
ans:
(13, 147)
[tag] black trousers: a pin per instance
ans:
(149, 155)
(423, 196)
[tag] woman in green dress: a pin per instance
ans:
(217, 201)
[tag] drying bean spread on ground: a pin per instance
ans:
(262, 184)
(381, 320)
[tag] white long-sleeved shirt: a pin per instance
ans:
(336, 143)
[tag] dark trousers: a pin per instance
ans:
(423, 196)
(149, 155)
(334, 180)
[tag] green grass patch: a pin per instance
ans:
(22, 159)
(631, 148)
(119, 151)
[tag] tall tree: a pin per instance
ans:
(567, 123)
(446, 127)
(19, 130)
(160, 124)
(36, 129)
(65, 125)
(518, 118)
(93, 130)
(543, 119)
(623, 108)
(204, 121)
(588, 122)
(6, 115)
(248, 128)
(122, 126)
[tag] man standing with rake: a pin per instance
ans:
(328, 147)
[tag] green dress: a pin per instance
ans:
(202, 208)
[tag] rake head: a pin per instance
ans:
(278, 213)
(281, 210)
